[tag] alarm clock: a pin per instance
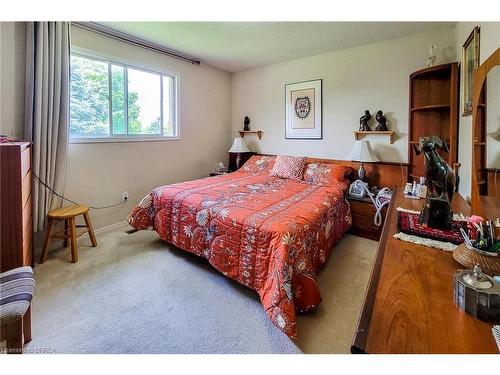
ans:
(477, 294)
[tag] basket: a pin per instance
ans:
(468, 257)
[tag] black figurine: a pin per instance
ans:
(363, 121)
(246, 124)
(440, 182)
(381, 126)
(440, 178)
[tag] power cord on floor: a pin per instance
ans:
(72, 201)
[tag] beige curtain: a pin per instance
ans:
(47, 111)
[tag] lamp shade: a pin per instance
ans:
(239, 146)
(362, 151)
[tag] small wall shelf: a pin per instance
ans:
(243, 132)
(417, 142)
(431, 107)
(361, 134)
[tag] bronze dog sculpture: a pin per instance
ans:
(440, 179)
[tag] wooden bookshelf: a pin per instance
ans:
(433, 110)
(479, 142)
(432, 107)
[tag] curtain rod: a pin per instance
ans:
(127, 38)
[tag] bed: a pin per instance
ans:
(270, 234)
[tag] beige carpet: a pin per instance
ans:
(135, 294)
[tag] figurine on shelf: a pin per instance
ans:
(363, 121)
(246, 124)
(440, 182)
(382, 122)
(432, 56)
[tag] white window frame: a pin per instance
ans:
(112, 138)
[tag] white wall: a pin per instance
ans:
(370, 77)
(98, 173)
(489, 42)
(12, 77)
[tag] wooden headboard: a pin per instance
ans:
(381, 174)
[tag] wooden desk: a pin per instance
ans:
(409, 305)
(491, 206)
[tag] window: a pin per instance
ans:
(111, 100)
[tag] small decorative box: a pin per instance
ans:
(477, 294)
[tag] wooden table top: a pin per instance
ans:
(491, 206)
(409, 305)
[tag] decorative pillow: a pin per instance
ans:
(258, 164)
(326, 174)
(288, 167)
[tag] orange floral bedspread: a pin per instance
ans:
(271, 234)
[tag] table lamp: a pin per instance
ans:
(362, 152)
(238, 148)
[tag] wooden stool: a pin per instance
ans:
(68, 214)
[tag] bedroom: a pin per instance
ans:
(135, 123)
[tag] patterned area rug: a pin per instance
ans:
(409, 223)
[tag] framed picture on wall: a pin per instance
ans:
(303, 110)
(470, 61)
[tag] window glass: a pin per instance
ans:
(142, 102)
(144, 106)
(118, 99)
(168, 103)
(89, 97)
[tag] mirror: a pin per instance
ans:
(485, 190)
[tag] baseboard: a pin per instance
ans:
(110, 227)
(37, 250)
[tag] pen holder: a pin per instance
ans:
(469, 257)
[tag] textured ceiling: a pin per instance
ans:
(235, 46)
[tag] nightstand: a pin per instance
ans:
(363, 212)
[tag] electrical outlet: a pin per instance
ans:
(125, 195)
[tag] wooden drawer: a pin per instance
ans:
(15, 209)
(363, 213)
